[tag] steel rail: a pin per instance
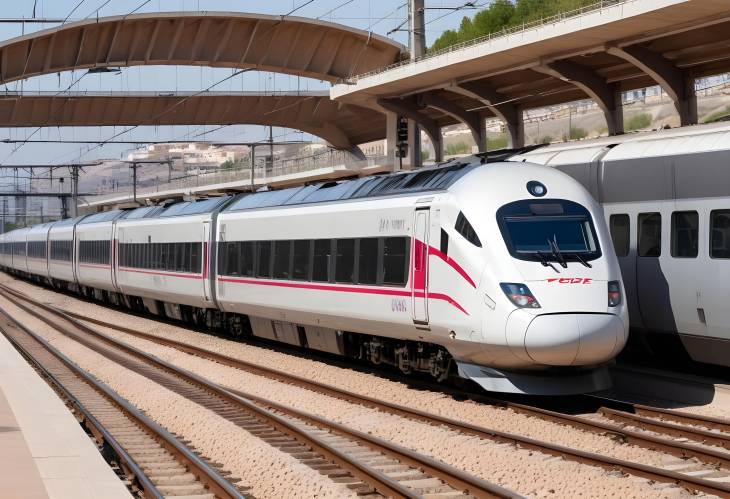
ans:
(206, 474)
(606, 462)
(380, 481)
(678, 430)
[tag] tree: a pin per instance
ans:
(503, 14)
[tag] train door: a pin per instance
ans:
(713, 304)
(419, 251)
(206, 259)
(114, 258)
(653, 255)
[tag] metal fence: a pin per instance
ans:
(263, 174)
(519, 29)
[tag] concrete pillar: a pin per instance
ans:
(499, 106)
(391, 126)
(690, 100)
(677, 84)
(413, 160)
(595, 87)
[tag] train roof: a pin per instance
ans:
(67, 221)
(659, 143)
(420, 181)
(104, 216)
(142, 212)
(198, 207)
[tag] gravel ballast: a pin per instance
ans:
(530, 473)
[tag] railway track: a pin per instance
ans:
(366, 464)
(156, 463)
(679, 434)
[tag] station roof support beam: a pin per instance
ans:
(679, 86)
(470, 118)
(604, 94)
(342, 125)
(290, 45)
(498, 104)
(408, 108)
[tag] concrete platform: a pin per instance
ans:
(44, 452)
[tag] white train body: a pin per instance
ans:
(667, 197)
(37, 250)
(94, 249)
(502, 273)
(61, 264)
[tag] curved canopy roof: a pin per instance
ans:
(291, 45)
(342, 125)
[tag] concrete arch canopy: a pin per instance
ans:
(292, 45)
(341, 125)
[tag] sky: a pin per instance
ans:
(379, 16)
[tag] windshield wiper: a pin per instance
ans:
(556, 252)
(544, 261)
(580, 259)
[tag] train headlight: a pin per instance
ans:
(536, 188)
(520, 295)
(614, 293)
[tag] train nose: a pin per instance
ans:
(574, 339)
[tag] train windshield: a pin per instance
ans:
(549, 230)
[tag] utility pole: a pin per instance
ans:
(417, 42)
(271, 146)
(134, 182)
(417, 28)
(253, 161)
(75, 190)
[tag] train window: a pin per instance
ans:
(227, 258)
(195, 257)
(650, 234)
(368, 261)
(321, 260)
(444, 242)
(720, 234)
(94, 252)
(685, 225)
(282, 250)
(395, 260)
(620, 233)
(245, 256)
(464, 228)
(300, 260)
(345, 261)
(263, 268)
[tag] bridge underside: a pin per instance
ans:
(343, 126)
(597, 55)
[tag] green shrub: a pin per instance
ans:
(638, 122)
(577, 133)
(458, 148)
(496, 142)
(717, 115)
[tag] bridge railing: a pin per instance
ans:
(520, 28)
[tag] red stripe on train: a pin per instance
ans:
(344, 289)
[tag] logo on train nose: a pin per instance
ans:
(570, 280)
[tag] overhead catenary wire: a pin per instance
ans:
(72, 11)
(466, 5)
(182, 101)
(334, 9)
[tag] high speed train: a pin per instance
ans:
(497, 272)
(666, 196)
